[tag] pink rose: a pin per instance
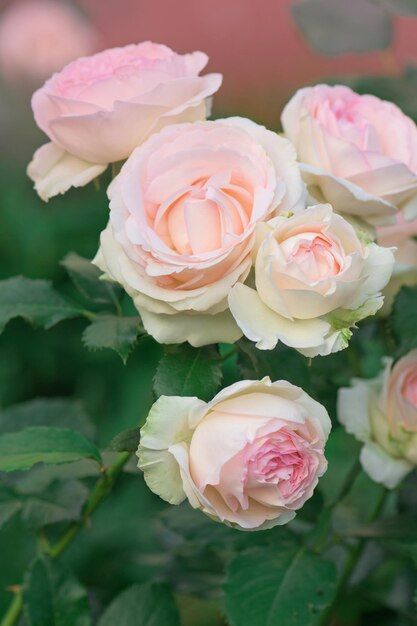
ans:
(183, 213)
(98, 109)
(382, 413)
(38, 37)
(401, 235)
(314, 279)
(249, 458)
(357, 152)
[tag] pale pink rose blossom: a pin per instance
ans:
(98, 109)
(183, 212)
(314, 279)
(38, 37)
(249, 458)
(357, 152)
(382, 413)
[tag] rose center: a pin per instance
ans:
(316, 255)
(278, 461)
(206, 216)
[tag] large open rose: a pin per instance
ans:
(357, 152)
(314, 279)
(99, 108)
(249, 458)
(183, 214)
(382, 413)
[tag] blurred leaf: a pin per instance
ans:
(53, 597)
(403, 319)
(8, 510)
(34, 300)
(402, 527)
(126, 441)
(62, 501)
(342, 454)
(58, 412)
(43, 444)
(280, 364)
(339, 26)
(360, 505)
(142, 605)
(399, 7)
(86, 278)
(187, 371)
(112, 331)
(284, 585)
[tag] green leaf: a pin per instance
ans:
(142, 605)
(403, 319)
(280, 364)
(58, 412)
(338, 27)
(60, 502)
(111, 331)
(43, 444)
(342, 453)
(34, 300)
(286, 585)
(86, 278)
(53, 597)
(187, 371)
(126, 441)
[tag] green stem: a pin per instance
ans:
(100, 490)
(14, 610)
(352, 560)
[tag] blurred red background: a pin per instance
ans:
(254, 43)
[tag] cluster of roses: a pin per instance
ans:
(223, 228)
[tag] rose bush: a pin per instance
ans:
(314, 279)
(249, 458)
(183, 212)
(99, 108)
(382, 413)
(357, 152)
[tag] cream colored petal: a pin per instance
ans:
(54, 171)
(259, 323)
(167, 425)
(383, 468)
(198, 329)
(345, 197)
(353, 409)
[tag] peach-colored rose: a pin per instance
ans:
(183, 213)
(314, 279)
(382, 413)
(402, 235)
(357, 152)
(98, 109)
(249, 458)
(38, 37)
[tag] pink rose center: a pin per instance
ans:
(315, 254)
(409, 388)
(344, 117)
(281, 459)
(210, 214)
